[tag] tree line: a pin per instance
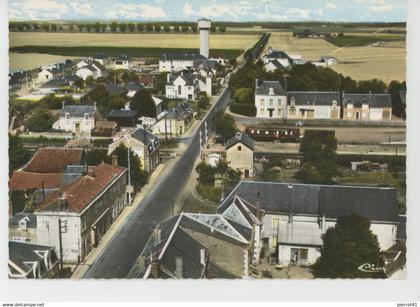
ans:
(113, 27)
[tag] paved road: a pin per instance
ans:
(122, 251)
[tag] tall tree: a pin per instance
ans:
(97, 27)
(131, 27)
(139, 176)
(185, 28)
(114, 27)
(40, 121)
(123, 27)
(18, 155)
(140, 27)
(167, 28)
(347, 247)
(144, 104)
(225, 125)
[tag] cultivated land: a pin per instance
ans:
(384, 61)
(217, 41)
(19, 61)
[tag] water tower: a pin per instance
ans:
(204, 26)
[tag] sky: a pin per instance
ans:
(218, 10)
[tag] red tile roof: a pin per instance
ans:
(54, 160)
(80, 193)
(22, 180)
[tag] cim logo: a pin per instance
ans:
(370, 268)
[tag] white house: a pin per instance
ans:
(142, 142)
(329, 60)
(275, 55)
(77, 119)
(173, 62)
(367, 106)
(48, 74)
(273, 65)
(270, 99)
(122, 62)
(85, 210)
(92, 68)
(313, 105)
(294, 217)
(182, 85)
(175, 121)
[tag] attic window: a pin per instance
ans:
(239, 148)
(86, 116)
(334, 103)
(67, 115)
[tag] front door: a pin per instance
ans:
(246, 173)
(270, 112)
(77, 127)
(357, 115)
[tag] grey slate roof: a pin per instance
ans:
(181, 112)
(32, 221)
(143, 135)
(377, 204)
(20, 252)
(314, 98)
(122, 113)
(373, 100)
(133, 86)
(77, 111)
(263, 88)
(181, 56)
(277, 55)
(114, 89)
(57, 82)
(186, 75)
(277, 64)
(240, 138)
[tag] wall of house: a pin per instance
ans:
(174, 65)
(84, 73)
(24, 235)
(242, 159)
(187, 91)
(265, 102)
(285, 254)
(69, 124)
(45, 76)
(48, 234)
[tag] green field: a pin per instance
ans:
(115, 51)
(363, 40)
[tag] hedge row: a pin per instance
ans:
(243, 109)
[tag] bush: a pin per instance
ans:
(101, 142)
(209, 192)
(395, 163)
(243, 109)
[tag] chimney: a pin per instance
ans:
(90, 171)
(114, 160)
(179, 267)
(203, 257)
(62, 202)
(256, 84)
(63, 104)
(168, 78)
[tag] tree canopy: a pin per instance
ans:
(39, 121)
(144, 104)
(18, 155)
(348, 246)
(225, 125)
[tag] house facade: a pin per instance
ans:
(295, 216)
(77, 119)
(367, 107)
(48, 74)
(84, 209)
(313, 105)
(240, 154)
(174, 62)
(182, 85)
(175, 121)
(270, 99)
(143, 143)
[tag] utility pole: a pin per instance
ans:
(62, 228)
(43, 190)
(166, 131)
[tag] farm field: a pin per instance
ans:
(217, 41)
(31, 60)
(385, 61)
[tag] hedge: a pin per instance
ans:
(243, 109)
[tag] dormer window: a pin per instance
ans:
(334, 103)
(67, 115)
(239, 148)
(86, 116)
(292, 101)
(271, 91)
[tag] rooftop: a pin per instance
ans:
(122, 113)
(269, 88)
(333, 201)
(373, 100)
(54, 160)
(181, 56)
(240, 138)
(77, 111)
(314, 98)
(80, 193)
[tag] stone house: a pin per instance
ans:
(240, 154)
(85, 209)
(175, 121)
(22, 227)
(182, 85)
(174, 62)
(270, 99)
(313, 105)
(294, 217)
(77, 119)
(367, 106)
(142, 142)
